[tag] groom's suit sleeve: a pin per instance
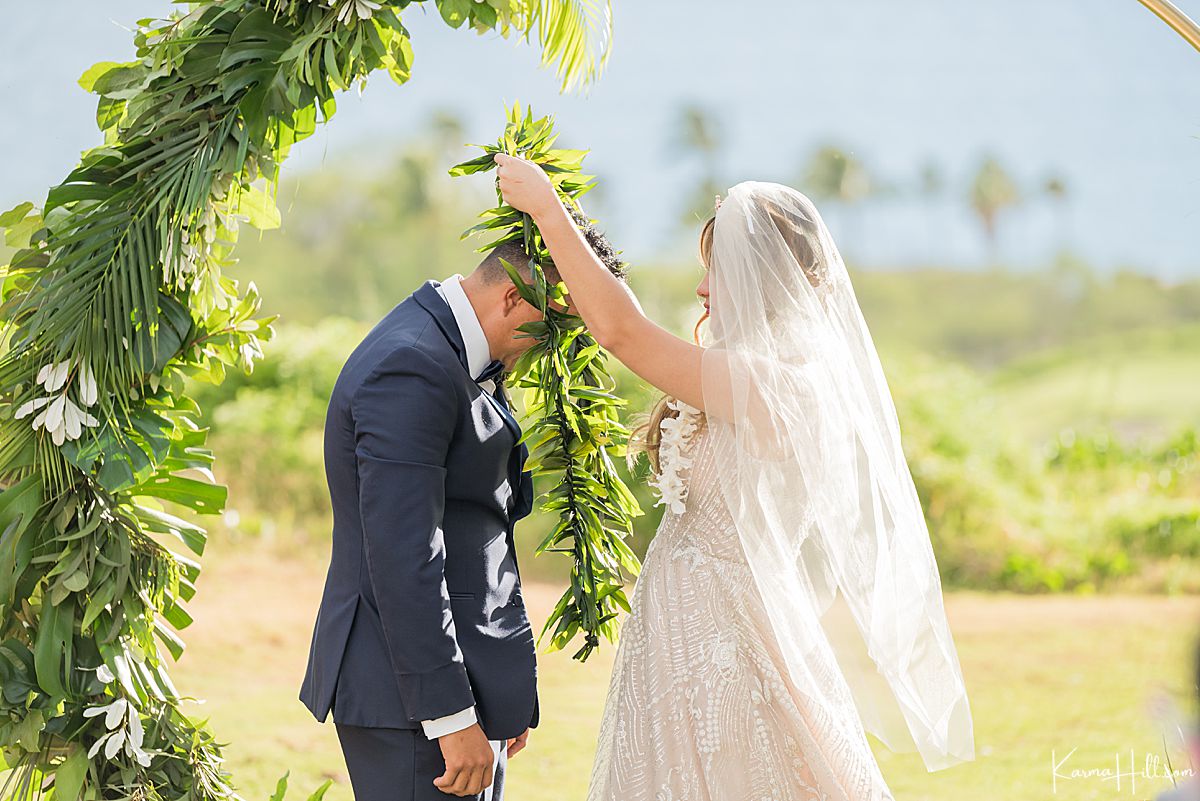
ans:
(404, 420)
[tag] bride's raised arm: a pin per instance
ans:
(608, 307)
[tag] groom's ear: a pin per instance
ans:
(511, 299)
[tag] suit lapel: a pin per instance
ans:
(516, 459)
(432, 301)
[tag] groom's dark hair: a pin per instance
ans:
(514, 253)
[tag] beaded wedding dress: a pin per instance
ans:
(790, 601)
(700, 706)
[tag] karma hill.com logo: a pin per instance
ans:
(1126, 774)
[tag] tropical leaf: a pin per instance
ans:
(575, 35)
(116, 292)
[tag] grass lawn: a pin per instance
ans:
(1143, 384)
(1062, 677)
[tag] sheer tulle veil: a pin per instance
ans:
(817, 484)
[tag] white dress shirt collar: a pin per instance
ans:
(478, 352)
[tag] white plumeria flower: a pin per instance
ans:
(105, 675)
(250, 351)
(115, 712)
(124, 730)
(115, 740)
(88, 391)
(53, 376)
(136, 735)
(60, 415)
(73, 418)
(29, 407)
(59, 377)
(51, 417)
(182, 263)
(61, 418)
(348, 8)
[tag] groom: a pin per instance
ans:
(422, 647)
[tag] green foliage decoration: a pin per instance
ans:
(573, 428)
(116, 293)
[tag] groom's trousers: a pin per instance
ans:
(388, 764)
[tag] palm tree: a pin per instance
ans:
(834, 174)
(1054, 187)
(992, 191)
(448, 130)
(839, 177)
(575, 36)
(698, 136)
(931, 183)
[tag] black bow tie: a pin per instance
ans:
(493, 370)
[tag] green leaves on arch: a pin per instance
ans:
(117, 292)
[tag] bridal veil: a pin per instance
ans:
(816, 481)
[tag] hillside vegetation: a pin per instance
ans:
(1050, 418)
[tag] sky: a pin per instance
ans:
(1098, 91)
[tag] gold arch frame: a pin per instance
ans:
(1169, 13)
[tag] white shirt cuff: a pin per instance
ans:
(440, 727)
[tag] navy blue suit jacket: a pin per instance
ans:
(422, 614)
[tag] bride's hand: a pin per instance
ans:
(525, 186)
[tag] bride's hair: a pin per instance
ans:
(799, 234)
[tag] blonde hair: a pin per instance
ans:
(647, 436)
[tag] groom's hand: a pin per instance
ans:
(517, 743)
(469, 758)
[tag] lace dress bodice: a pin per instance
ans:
(705, 524)
(700, 705)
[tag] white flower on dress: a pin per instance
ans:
(676, 433)
(724, 653)
(124, 726)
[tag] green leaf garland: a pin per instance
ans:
(572, 423)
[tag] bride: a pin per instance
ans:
(789, 601)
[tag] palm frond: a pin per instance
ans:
(575, 36)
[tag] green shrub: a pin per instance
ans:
(1082, 513)
(268, 430)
